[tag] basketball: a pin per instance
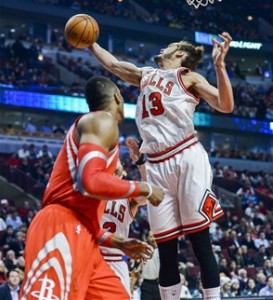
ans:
(81, 31)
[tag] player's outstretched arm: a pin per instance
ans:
(124, 70)
(222, 98)
(98, 136)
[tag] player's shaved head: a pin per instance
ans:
(99, 92)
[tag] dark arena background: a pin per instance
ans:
(42, 82)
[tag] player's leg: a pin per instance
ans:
(198, 208)
(104, 284)
(169, 277)
(54, 268)
(202, 248)
(166, 226)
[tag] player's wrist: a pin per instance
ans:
(219, 65)
(141, 160)
(146, 189)
(117, 242)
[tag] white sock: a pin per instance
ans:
(212, 294)
(170, 292)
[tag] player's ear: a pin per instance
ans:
(117, 98)
(180, 53)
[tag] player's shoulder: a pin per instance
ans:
(97, 117)
(146, 70)
(97, 120)
(193, 76)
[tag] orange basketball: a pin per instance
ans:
(81, 31)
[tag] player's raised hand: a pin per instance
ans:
(137, 249)
(220, 49)
(133, 146)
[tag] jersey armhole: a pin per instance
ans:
(179, 77)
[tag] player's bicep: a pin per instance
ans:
(207, 92)
(127, 72)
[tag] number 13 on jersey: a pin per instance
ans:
(155, 107)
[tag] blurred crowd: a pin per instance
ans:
(226, 16)
(242, 240)
(21, 68)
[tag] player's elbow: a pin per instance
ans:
(229, 109)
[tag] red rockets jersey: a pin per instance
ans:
(62, 185)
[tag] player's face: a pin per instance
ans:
(166, 53)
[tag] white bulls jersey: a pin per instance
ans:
(117, 218)
(165, 109)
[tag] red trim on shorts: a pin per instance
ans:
(112, 257)
(166, 158)
(171, 148)
(183, 229)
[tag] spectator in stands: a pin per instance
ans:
(23, 210)
(223, 267)
(248, 241)
(46, 127)
(251, 289)
(14, 162)
(29, 217)
(14, 220)
(248, 261)
(30, 127)
(261, 256)
(24, 167)
(217, 170)
(58, 129)
(235, 287)
(216, 233)
(249, 210)
(9, 129)
(10, 260)
(18, 244)
(6, 238)
(23, 152)
(20, 268)
(225, 283)
(10, 289)
(260, 279)
(247, 194)
(261, 241)
(32, 152)
(268, 268)
(268, 289)
(44, 152)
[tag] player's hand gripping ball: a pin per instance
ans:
(81, 31)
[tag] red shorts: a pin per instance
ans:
(63, 261)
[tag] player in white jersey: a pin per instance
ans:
(176, 160)
(117, 217)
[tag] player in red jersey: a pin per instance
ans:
(63, 259)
